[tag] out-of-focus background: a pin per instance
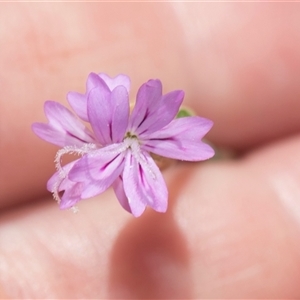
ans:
(239, 65)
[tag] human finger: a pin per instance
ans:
(231, 231)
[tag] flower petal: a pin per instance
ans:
(132, 188)
(144, 184)
(118, 187)
(55, 178)
(72, 190)
(98, 170)
(94, 80)
(165, 112)
(71, 196)
(64, 128)
(181, 139)
(113, 82)
(147, 100)
(108, 114)
(120, 113)
(91, 165)
(153, 111)
(79, 101)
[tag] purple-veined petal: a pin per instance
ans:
(144, 184)
(79, 101)
(113, 82)
(98, 169)
(64, 128)
(93, 165)
(181, 139)
(118, 187)
(108, 114)
(153, 111)
(166, 111)
(100, 115)
(132, 188)
(147, 100)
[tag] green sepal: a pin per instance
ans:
(184, 112)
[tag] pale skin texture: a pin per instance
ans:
(233, 225)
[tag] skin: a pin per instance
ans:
(232, 227)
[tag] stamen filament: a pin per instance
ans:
(61, 172)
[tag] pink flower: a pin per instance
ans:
(117, 151)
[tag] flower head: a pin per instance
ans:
(116, 152)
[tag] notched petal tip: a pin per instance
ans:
(118, 80)
(94, 80)
(50, 106)
(48, 134)
(181, 139)
(153, 83)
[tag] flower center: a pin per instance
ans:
(130, 135)
(131, 141)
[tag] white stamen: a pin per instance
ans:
(111, 149)
(61, 172)
(71, 150)
(134, 145)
